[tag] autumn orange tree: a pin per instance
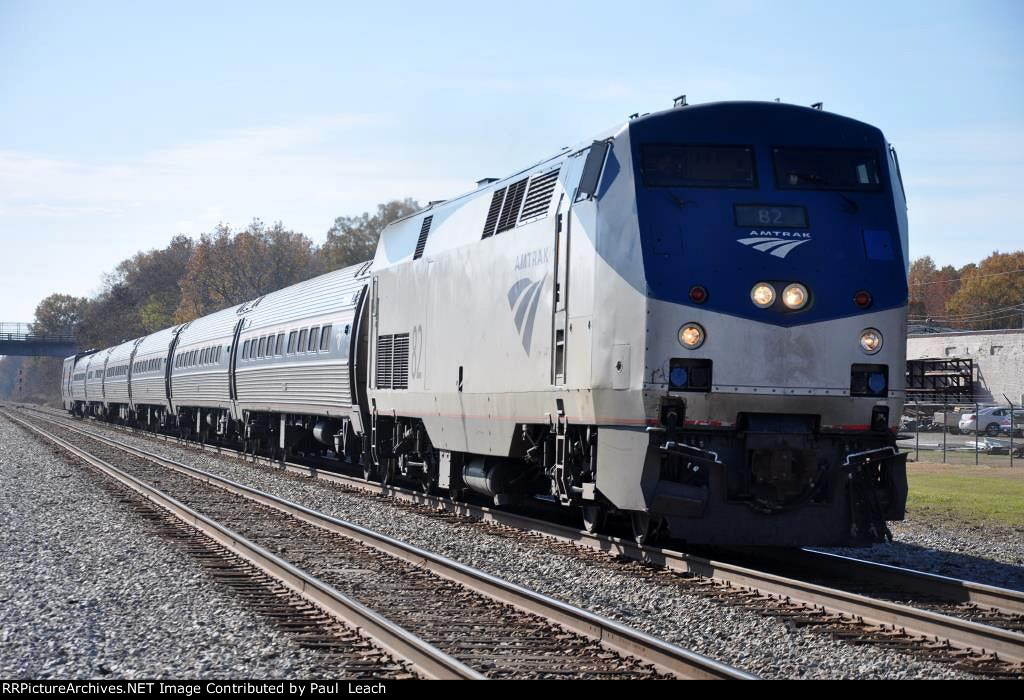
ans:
(931, 288)
(230, 267)
(990, 295)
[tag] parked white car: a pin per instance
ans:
(993, 421)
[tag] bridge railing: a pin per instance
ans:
(23, 332)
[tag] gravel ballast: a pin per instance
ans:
(86, 592)
(655, 604)
(991, 554)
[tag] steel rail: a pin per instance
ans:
(424, 657)
(666, 657)
(860, 570)
(921, 582)
(958, 632)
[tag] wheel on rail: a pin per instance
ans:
(386, 474)
(644, 526)
(369, 470)
(427, 484)
(595, 517)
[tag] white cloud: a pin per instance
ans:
(279, 171)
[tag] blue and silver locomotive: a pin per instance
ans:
(694, 321)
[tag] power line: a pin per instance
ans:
(979, 314)
(980, 320)
(957, 279)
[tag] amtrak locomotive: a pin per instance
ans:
(694, 322)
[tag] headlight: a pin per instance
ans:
(870, 341)
(691, 336)
(763, 295)
(795, 296)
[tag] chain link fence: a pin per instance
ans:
(990, 434)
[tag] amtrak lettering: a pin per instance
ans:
(532, 258)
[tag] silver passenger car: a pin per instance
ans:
(201, 361)
(94, 380)
(148, 378)
(116, 394)
(294, 349)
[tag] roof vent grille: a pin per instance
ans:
(492, 214)
(538, 199)
(510, 209)
(422, 242)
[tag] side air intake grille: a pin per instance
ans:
(385, 353)
(538, 199)
(422, 242)
(492, 214)
(510, 210)
(400, 366)
(393, 361)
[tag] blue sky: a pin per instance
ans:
(123, 123)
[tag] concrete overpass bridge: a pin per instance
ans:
(20, 339)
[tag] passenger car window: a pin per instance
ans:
(279, 350)
(325, 338)
(314, 339)
(263, 347)
(291, 341)
(245, 350)
(302, 340)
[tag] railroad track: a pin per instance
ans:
(445, 619)
(975, 626)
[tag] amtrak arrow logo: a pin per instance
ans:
(523, 298)
(774, 243)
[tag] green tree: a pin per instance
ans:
(59, 313)
(353, 239)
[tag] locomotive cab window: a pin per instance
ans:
(664, 165)
(826, 169)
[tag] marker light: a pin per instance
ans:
(794, 296)
(870, 341)
(862, 299)
(698, 294)
(691, 336)
(763, 295)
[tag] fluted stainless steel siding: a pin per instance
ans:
(78, 386)
(94, 385)
(312, 383)
(149, 388)
(116, 388)
(205, 386)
